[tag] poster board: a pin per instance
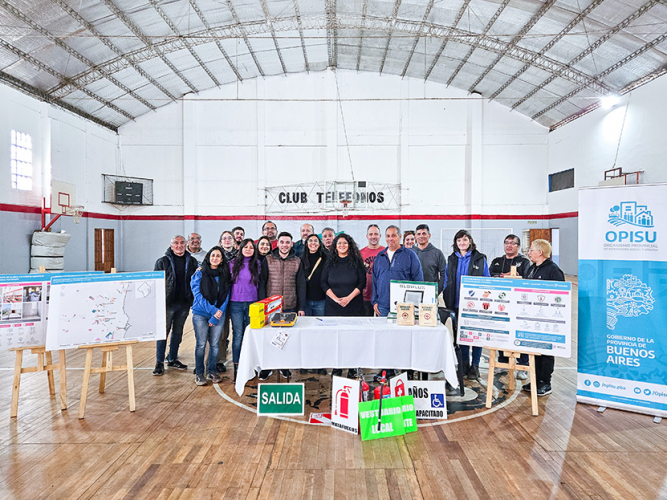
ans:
(415, 292)
(22, 310)
(99, 308)
(429, 396)
(522, 315)
(345, 404)
(622, 351)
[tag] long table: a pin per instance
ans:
(338, 342)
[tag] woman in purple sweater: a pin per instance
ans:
(244, 269)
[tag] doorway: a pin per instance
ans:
(104, 245)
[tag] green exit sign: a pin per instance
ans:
(280, 399)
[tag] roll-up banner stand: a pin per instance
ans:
(622, 360)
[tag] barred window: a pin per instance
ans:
(561, 180)
(21, 164)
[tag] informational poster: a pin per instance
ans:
(345, 404)
(521, 315)
(622, 360)
(414, 292)
(23, 310)
(94, 309)
(398, 418)
(429, 395)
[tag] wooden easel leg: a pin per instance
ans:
(492, 369)
(17, 383)
(512, 361)
(86, 379)
(63, 379)
(103, 375)
(533, 385)
(130, 375)
(49, 374)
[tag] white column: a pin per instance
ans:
(189, 173)
(474, 157)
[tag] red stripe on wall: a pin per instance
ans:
(4, 207)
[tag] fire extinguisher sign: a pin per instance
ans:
(280, 399)
(345, 404)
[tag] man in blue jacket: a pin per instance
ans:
(393, 263)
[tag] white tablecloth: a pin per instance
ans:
(337, 342)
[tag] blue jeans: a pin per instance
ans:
(176, 316)
(315, 307)
(204, 333)
(476, 355)
(383, 312)
(239, 312)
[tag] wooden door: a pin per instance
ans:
(104, 245)
(540, 234)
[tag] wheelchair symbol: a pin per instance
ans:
(437, 400)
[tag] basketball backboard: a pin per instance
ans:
(63, 196)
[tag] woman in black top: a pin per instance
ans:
(344, 278)
(313, 259)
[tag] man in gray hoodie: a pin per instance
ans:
(432, 259)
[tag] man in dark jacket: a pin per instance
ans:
(502, 266)
(282, 274)
(431, 258)
(178, 266)
(543, 268)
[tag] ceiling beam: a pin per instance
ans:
(569, 27)
(472, 49)
(80, 57)
(657, 40)
(516, 39)
(176, 31)
(417, 38)
(222, 50)
(332, 32)
(244, 35)
(48, 69)
(459, 15)
(267, 15)
(303, 42)
(394, 15)
(149, 45)
(589, 50)
(364, 11)
(43, 96)
(105, 40)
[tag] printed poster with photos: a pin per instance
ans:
(22, 313)
(520, 315)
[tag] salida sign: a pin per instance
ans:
(280, 399)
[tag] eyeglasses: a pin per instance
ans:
(511, 243)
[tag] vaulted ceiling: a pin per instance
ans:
(114, 60)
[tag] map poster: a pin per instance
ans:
(95, 309)
(522, 315)
(22, 310)
(622, 361)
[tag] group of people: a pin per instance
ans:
(322, 275)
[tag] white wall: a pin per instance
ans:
(455, 155)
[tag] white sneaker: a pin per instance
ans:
(521, 375)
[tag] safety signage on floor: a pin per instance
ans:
(280, 399)
(345, 404)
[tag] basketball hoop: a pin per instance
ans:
(345, 210)
(75, 211)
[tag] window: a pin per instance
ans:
(561, 180)
(21, 161)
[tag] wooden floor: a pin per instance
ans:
(188, 442)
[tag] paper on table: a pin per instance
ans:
(280, 338)
(326, 322)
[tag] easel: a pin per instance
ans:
(48, 367)
(512, 366)
(107, 367)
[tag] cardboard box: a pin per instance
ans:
(405, 314)
(428, 315)
(260, 312)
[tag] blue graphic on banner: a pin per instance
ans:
(58, 279)
(621, 320)
(630, 213)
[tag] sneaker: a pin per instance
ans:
(521, 375)
(159, 369)
(303, 372)
(221, 367)
(264, 375)
(352, 373)
(526, 387)
(543, 390)
(473, 373)
(286, 373)
(321, 371)
(200, 380)
(177, 364)
(450, 390)
(337, 372)
(214, 377)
